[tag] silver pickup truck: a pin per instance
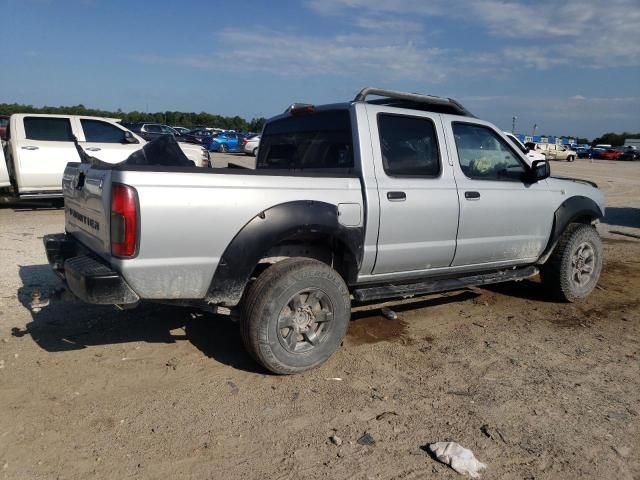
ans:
(391, 196)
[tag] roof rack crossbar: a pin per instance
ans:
(411, 97)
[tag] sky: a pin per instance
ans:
(571, 67)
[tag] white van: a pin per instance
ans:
(39, 146)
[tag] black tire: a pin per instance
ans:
(269, 305)
(570, 158)
(565, 272)
(254, 152)
(223, 148)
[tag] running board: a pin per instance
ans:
(441, 285)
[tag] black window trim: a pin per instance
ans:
(524, 164)
(435, 131)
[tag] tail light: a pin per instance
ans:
(124, 220)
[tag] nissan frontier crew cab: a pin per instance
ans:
(391, 196)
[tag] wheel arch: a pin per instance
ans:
(577, 209)
(295, 225)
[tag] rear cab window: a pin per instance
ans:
(321, 141)
(49, 129)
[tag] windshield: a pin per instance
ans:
(320, 140)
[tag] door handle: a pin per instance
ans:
(93, 149)
(30, 147)
(472, 195)
(396, 196)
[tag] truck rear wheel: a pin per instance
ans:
(295, 315)
(573, 270)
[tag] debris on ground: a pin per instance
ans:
(461, 459)
(389, 314)
(172, 363)
(366, 440)
(336, 440)
(622, 451)
(385, 415)
(493, 433)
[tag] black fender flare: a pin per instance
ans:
(269, 228)
(569, 211)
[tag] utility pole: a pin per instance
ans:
(513, 124)
(535, 127)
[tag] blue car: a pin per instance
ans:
(225, 142)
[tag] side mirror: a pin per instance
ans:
(129, 138)
(540, 169)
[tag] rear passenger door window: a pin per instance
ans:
(101, 132)
(409, 146)
(48, 129)
(484, 155)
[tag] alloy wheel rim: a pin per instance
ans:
(583, 264)
(305, 321)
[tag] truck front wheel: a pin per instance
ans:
(573, 269)
(295, 315)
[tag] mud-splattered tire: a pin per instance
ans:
(295, 315)
(573, 269)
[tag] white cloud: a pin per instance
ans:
(391, 40)
(599, 33)
(370, 56)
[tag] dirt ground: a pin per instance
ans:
(536, 389)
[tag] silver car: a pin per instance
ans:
(250, 145)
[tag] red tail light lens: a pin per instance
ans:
(124, 220)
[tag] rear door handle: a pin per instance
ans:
(472, 195)
(396, 196)
(30, 147)
(93, 149)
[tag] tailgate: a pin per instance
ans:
(87, 206)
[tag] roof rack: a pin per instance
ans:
(413, 101)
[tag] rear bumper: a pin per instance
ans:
(88, 277)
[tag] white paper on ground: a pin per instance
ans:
(461, 459)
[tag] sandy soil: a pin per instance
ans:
(536, 389)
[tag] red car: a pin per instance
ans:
(610, 155)
(4, 123)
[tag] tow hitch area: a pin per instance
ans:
(38, 302)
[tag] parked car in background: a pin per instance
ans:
(225, 142)
(250, 145)
(583, 152)
(4, 123)
(181, 130)
(199, 135)
(630, 154)
(39, 147)
(531, 154)
(150, 131)
(610, 154)
(556, 152)
(4, 173)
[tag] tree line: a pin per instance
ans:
(180, 119)
(614, 139)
